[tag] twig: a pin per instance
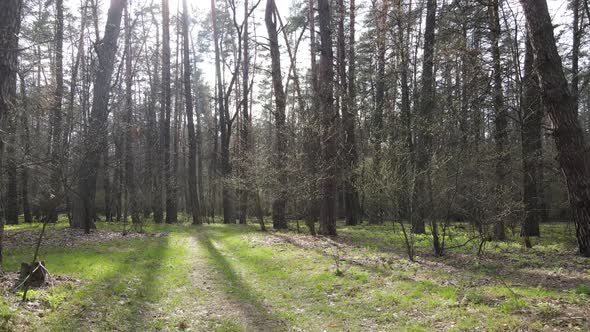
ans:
(35, 258)
(464, 244)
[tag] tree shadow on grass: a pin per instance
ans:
(239, 294)
(123, 296)
(501, 269)
(494, 268)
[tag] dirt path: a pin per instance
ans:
(227, 305)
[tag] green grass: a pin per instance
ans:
(235, 278)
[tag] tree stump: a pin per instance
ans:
(36, 273)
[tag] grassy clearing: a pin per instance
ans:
(235, 278)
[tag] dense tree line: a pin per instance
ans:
(418, 111)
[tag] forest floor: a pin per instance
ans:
(236, 278)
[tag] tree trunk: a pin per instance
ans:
(224, 125)
(10, 11)
(157, 161)
(95, 137)
(171, 213)
(311, 140)
(199, 105)
(328, 123)
(576, 38)
(132, 202)
(26, 142)
(532, 117)
(11, 198)
(119, 176)
(56, 139)
(349, 114)
(150, 144)
(279, 159)
(69, 128)
(108, 201)
(406, 116)
(573, 155)
(193, 204)
(423, 198)
(376, 215)
(214, 157)
(500, 123)
(245, 126)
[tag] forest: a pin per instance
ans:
(294, 165)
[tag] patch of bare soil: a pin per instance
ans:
(67, 237)
(9, 280)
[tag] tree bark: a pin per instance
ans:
(10, 11)
(10, 19)
(576, 39)
(573, 155)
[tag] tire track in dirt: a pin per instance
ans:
(228, 301)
